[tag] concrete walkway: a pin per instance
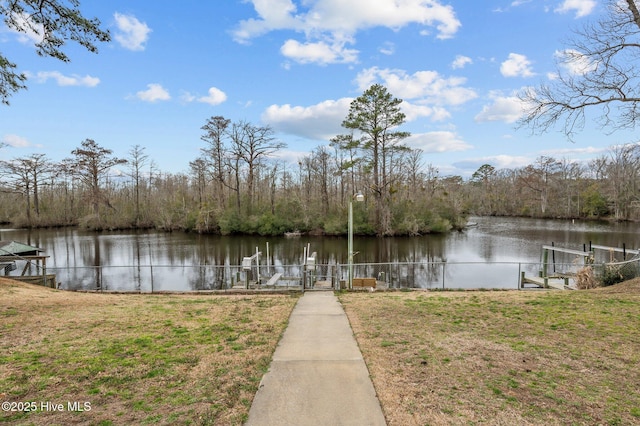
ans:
(317, 375)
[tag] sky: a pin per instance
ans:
(296, 65)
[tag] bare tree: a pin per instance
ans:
(346, 143)
(598, 71)
(26, 175)
(539, 178)
(198, 168)
(623, 179)
(91, 165)
(252, 144)
(137, 160)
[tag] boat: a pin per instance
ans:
(293, 234)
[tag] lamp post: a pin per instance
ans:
(359, 198)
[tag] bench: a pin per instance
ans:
(364, 282)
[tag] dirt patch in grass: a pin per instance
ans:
(502, 358)
(135, 359)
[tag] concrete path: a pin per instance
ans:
(317, 375)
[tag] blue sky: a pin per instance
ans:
(296, 65)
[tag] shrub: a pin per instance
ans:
(585, 278)
(614, 274)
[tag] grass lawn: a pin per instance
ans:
(436, 358)
(135, 359)
(503, 358)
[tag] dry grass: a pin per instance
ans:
(436, 358)
(137, 359)
(503, 358)
(585, 279)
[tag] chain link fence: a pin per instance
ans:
(617, 272)
(397, 275)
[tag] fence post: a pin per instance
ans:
(443, 274)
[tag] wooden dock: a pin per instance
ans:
(48, 280)
(556, 282)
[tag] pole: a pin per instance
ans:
(258, 264)
(304, 268)
(350, 243)
(268, 261)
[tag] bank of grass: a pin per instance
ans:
(503, 358)
(137, 359)
(437, 358)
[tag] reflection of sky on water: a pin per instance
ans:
(154, 261)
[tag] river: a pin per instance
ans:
(490, 254)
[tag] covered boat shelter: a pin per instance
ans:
(12, 252)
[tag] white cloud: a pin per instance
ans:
(63, 80)
(560, 152)
(507, 109)
(15, 141)
(154, 93)
(321, 121)
(187, 97)
(388, 48)
(516, 66)
(413, 112)
(327, 22)
(273, 15)
(497, 161)
(215, 97)
(132, 34)
(427, 86)
(461, 61)
(574, 62)
(290, 156)
(347, 17)
(440, 141)
(319, 52)
(581, 7)
(31, 32)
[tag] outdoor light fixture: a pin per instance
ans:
(359, 197)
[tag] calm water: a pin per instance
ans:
(490, 254)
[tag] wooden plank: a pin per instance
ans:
(533, 280)
(569, 251)
(615, 249)
(50, 279)
(556, 283)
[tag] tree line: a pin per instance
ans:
(607, 187)
(237, 186)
